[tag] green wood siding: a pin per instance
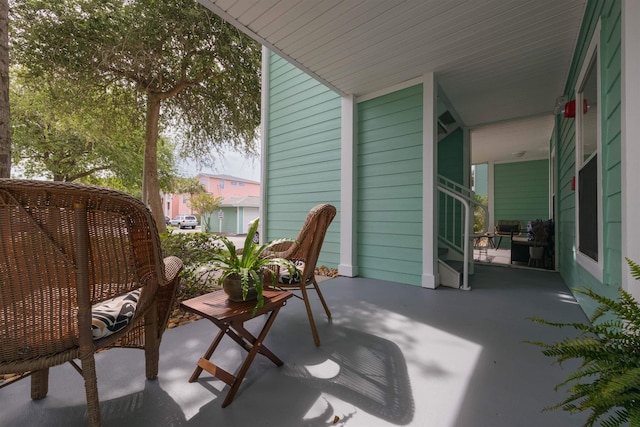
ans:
(610, 41)
(390, 187)
(450, 156)
(521, 191)
(451, 166)
(303, 158)
(229, 222)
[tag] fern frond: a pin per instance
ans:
(607, 383)
(634, 269)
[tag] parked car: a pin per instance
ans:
(184, 221)
(167, 220)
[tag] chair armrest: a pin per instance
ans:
(172, 267)
(166, 296)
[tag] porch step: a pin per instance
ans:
(450, 273)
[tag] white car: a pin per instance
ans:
(184, 221)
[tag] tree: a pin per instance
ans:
(5, 135)
(191, 68)
(64, 135)
(182, 185)
(205, 204)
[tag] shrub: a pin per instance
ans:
(607, 383)
(195, 250)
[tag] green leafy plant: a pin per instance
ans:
(199, 276)
(479, 214)
(607, 383)
(250, 263)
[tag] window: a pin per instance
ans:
(221, 184)
(588, 169)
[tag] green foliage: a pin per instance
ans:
(195, 250)
(608, 381)
(182, 185)
(188, 68)
(205, 72)
(204, 204)
(250, 262)
(479, 214)
(66, 133)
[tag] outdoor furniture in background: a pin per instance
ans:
(230, 318)
(81, 270)
(520, 249)
(539, 234)
(482, 242)
(507, 227)
(304, 252)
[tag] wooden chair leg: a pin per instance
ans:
(314, 331)
(39, 383)
(324, 303)
(151, 342)
(91, 389)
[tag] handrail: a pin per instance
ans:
(465, 196)
(458, 188)
(466, 235)
(444, 182)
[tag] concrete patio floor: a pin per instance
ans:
(394, 355)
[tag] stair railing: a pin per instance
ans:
(456, 220)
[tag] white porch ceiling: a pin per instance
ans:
(497, 61)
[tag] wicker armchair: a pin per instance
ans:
(67, 250)
(305, 251)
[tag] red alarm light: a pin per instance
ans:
(570, 108)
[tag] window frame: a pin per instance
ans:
(589, 264)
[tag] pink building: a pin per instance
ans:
(226, 186)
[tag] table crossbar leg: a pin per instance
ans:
(262, 349)
(257, 344)
(207, 355)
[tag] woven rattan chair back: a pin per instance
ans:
(64, 248)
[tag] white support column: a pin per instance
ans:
(491, 194)
(429, 184)
(348, 171)
(466, 153)
(466, 179)
(630, 92)
(264, 135)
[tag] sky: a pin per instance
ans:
(232, 163)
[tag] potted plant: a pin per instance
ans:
(243, 270)
(539, 235)
(607, 382)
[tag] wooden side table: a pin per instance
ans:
(230, 317)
